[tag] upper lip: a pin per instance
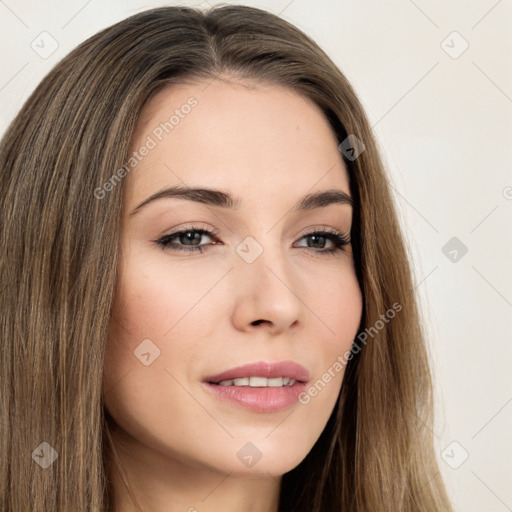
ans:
(288, 369)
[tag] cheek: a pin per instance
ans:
(155, 296)
(340, 310)
(337, 310)
(144, 363)
(336, 314)
(159, 321)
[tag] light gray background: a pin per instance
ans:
(443, 119)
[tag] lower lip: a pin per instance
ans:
(259, 399)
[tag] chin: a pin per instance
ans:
(261, 457)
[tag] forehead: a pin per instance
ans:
(256, 140)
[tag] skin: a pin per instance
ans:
(177, 443)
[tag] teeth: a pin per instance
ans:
(259, 382)
(276, 382)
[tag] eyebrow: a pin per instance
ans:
(222, 199)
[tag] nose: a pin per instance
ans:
(266, 294)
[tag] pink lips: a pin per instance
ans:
(260, 399)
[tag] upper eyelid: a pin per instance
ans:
(215, 233)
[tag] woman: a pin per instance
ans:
(207, 300)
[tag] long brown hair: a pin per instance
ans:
(59, 246)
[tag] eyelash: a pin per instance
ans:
(336, 237)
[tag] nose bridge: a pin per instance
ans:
(260, 256)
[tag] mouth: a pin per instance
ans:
(261, 387)
(262, 374)
(257, 382)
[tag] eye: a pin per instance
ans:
(319, 238)
(189, 240)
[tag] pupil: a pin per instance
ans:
(192, 236)
(317, 238)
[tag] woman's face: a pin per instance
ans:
(261, 289)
